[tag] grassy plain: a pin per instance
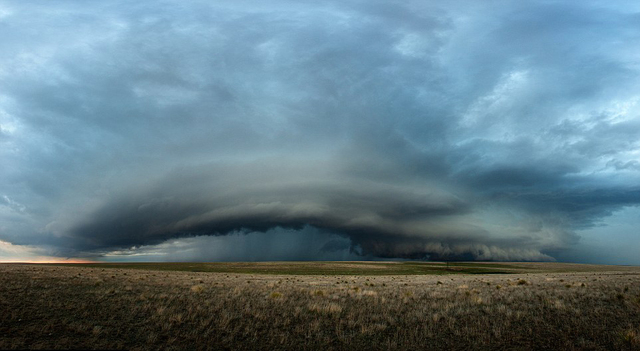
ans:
(320, 305)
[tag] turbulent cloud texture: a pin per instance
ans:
(366, 129)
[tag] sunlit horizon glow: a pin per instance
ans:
(45, 260)
(10, 253)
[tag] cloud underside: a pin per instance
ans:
(405, 130)
(379, 219)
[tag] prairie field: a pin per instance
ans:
(320, 306)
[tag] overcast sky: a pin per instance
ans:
(276, 130)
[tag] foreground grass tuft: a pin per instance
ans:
(329, 308)
(631, 338)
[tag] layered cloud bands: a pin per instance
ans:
(375, 129)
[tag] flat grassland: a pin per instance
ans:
(319, 305)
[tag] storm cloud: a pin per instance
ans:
(365, 129)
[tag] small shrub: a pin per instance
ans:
(197, 288)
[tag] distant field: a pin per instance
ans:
(320, 306)
(362, 267)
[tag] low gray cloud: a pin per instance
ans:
(493, 131)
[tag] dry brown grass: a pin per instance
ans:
(76, 307)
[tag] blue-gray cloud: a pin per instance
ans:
(410, 129)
